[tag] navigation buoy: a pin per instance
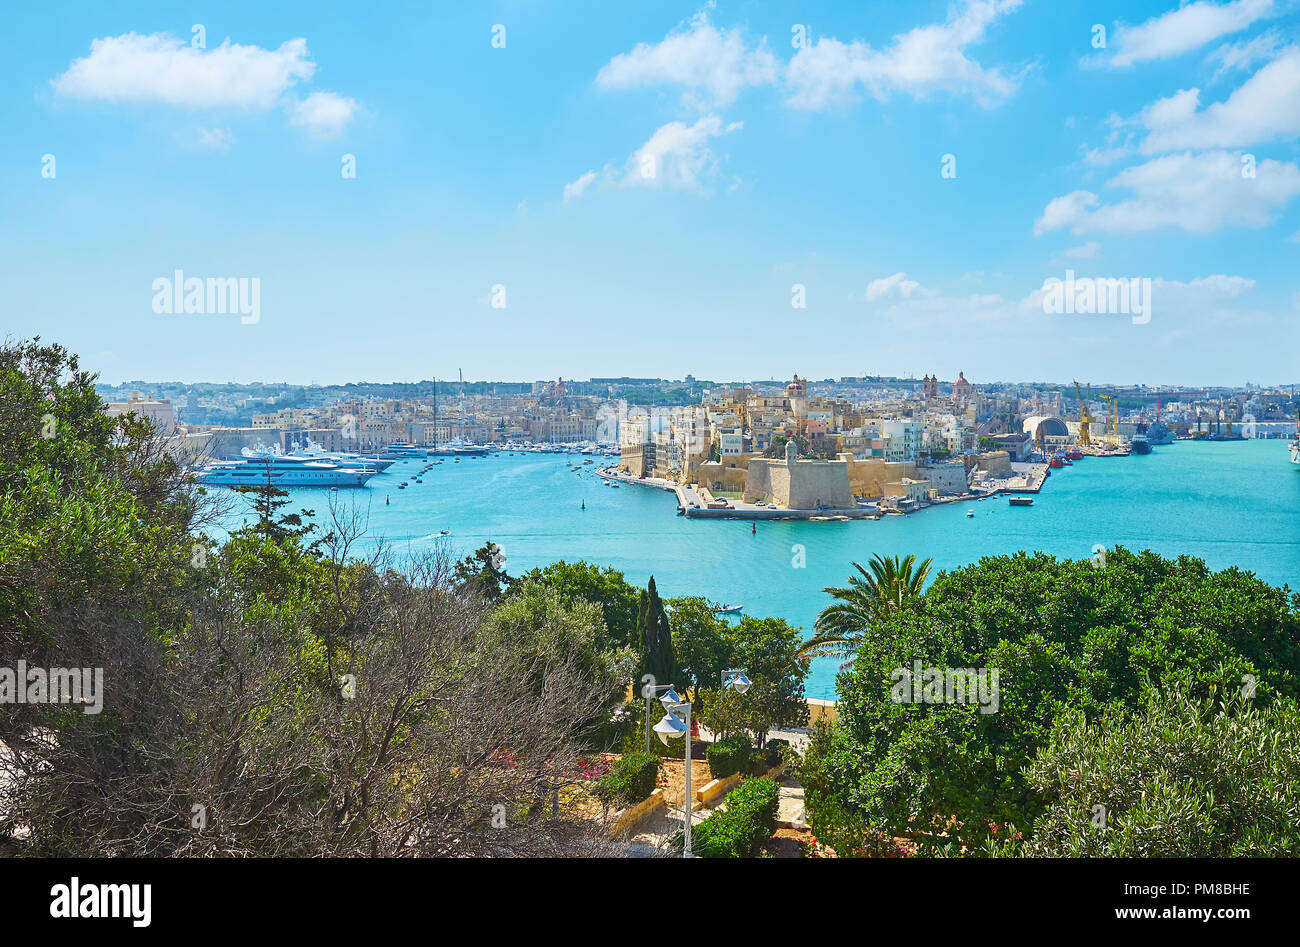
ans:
(385, 499)
(584, 504)
(753, 529)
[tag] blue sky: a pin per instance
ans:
(649, 182)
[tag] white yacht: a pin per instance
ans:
(403, 452)
(1295, 448)
(282, 472)
(314, 452)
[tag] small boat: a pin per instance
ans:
(970, 513)
(728, 610)
(444, 532)
(1021, 501)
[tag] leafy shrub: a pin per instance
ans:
(632, 780)
(774, 750)
(740, 830)
(1182, 777)
(728, 756)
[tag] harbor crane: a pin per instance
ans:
(1085, 418)
(1111, 437)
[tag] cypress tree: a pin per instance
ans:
(655, 637)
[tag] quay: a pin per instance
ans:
(698, 502)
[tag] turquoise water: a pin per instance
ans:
(1233, 503)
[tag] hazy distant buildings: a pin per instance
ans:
(161, 413)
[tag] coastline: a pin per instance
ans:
(693, 505)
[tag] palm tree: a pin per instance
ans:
(869, 595)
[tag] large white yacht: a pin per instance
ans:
(314, 451)
(282, 472)
(1295, 448)
(403, 452)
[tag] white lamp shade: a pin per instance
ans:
(739, 682)
(670, 726)
(669, 698)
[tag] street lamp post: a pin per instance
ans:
(649, 692)
(674, 726)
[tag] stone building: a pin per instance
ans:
(799, 484)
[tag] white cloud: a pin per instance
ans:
(700, 57)
(1266, 107)
(575, 189)
(925, 60)
(218, 139)
(1216, 287)
(323, 114)
(1196, 193)
(1245, 54)
(946, 315)
(1087, 251)
(1104, 156)
(162, 69)
(1065, 210)
(897, 286)
(677, 155)
(1178, 31)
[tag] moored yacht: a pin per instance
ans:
(403, 452)
(282, 472)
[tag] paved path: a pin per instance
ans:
(656, 830)
(790, 805)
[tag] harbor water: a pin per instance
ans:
(1229, 503)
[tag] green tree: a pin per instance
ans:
(890, 583)
(655, 638)
(548, 628)
(1062, 636)
(483, 574)
(701, 643)
(768, 649)
(1180, 778)
(618, 599)
(267, 500)
(316, 705)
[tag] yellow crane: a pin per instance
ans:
(1111, 437)
(1085, 419)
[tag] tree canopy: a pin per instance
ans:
(1065, 637)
